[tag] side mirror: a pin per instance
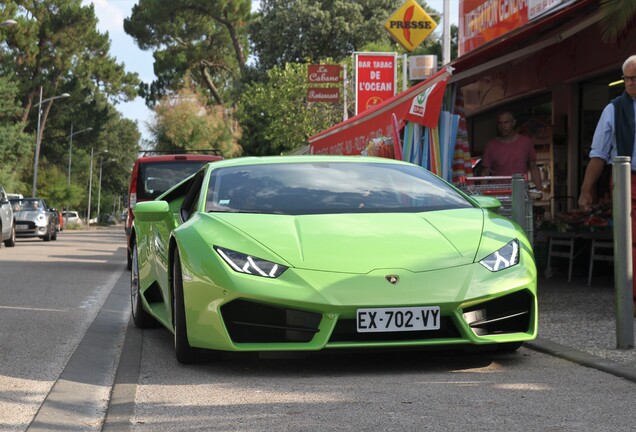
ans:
(151, 211)
(4, 201)
(487, 202)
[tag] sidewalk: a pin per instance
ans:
(578, 322)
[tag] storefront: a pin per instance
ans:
(549, 67)
(555, 74)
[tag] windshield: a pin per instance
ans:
(329, 187)
(27, 204)
(157, 177)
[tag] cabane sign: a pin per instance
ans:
(323, 94)
(323, 74)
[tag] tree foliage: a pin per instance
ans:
(308, 31)
(56, 48)
(275, 116)
(204, 41)
(185, 122)
(618, 16)
(14, 143)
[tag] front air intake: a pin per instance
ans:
(507, 314)
(250, 322)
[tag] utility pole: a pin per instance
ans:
(446, 36)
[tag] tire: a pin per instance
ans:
(47, 237)
(54, 235)
(141, 318)
(10, 242)
(129, 259)
(184, 352)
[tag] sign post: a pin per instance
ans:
(623, 271)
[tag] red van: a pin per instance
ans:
(155, 174)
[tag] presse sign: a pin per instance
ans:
(410, 25)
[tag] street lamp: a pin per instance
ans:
(90, 186)
(99, 190)
(70, 153)
(38, 138)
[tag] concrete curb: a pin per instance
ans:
(582, 358)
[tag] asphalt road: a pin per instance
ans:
(50, 293)
(70, 360)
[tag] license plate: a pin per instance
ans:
(22, 227)
(398, 319)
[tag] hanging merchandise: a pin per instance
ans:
(433, 147)
(380, 147)
(448, 124)
(462, 162)
(397, 146)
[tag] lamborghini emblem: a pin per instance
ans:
(392, 279)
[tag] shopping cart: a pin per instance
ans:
(511, 191)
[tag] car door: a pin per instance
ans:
(158, 240)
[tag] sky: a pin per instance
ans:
(111, 15)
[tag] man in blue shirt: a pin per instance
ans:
(615, 135)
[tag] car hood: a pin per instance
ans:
(28, 215)
(360, 243)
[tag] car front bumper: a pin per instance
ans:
(30, 229)
(309, 310)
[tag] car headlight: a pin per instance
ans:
(244, 263)
(41, 217)
(505, 257)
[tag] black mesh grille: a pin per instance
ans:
(29, 224)
(259, 323)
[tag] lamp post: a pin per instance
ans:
(38, 138)
(90, 188)
(99, 190)
(70, 153)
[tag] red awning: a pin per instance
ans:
(352, 136)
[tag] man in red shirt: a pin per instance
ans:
(510, 153)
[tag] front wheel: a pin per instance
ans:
(184, 352)
(141, 318)
(128, 259)
(47, 236)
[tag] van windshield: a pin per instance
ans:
(157, 177)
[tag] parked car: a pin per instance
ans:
(7, 221)
(313, 252)
(152, 176)
(34, 219)
(71, 217)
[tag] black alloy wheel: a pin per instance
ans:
(141, 318)
(184, 352)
